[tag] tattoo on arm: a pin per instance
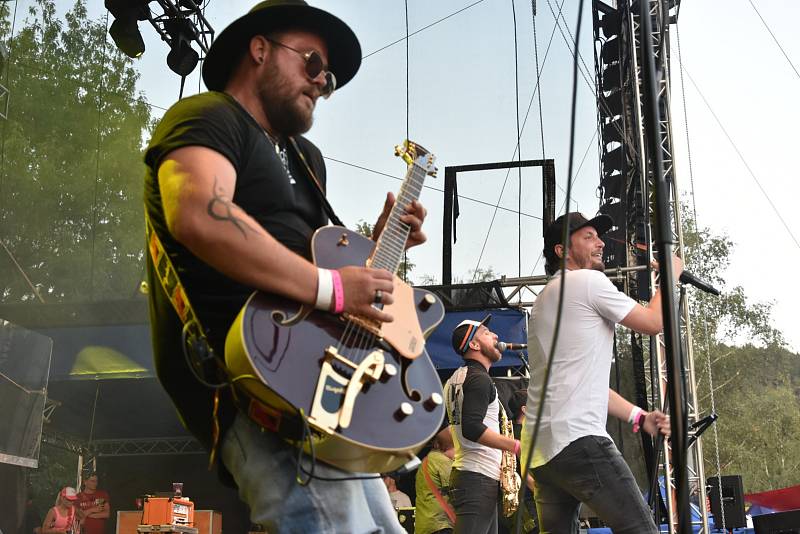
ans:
(220, 208)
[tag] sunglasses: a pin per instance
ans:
(314, 66)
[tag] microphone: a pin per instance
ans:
(688, 278)
(502, 346)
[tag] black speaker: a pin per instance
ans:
(732, 501)
(780, 523)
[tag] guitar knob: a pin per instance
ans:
(433, 402)
(427, 301)
(403, 411)
(389, 372)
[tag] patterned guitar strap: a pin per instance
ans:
(202, 358)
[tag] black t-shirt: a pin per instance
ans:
(479, 393)
(287, 207)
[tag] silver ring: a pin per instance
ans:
(378, 296)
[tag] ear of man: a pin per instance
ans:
(259, 48)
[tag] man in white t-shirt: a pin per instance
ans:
(473, 411)
(574, 459)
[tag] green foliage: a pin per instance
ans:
(756, 386)
(742, 370)
(756, 392)
(731, 316)
(71, 176)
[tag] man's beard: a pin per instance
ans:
(283, 111)
(491, 353)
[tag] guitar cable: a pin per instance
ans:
(525, 471)
(310, 474)
(187, 340)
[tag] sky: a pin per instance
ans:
(465, 92)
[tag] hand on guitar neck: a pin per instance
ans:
(360, 285)
(414, 216)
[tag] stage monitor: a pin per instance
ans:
(24, 368)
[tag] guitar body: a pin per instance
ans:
(371, 407)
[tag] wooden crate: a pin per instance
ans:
(205, 521)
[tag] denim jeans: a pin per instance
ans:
(590, 470)
(474, 498)
(264, 468)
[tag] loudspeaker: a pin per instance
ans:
(24, 371)
(732, 501)
(780, 523)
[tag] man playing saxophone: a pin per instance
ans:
(474, 412)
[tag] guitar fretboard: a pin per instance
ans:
(391, 243)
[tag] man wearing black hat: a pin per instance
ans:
(233, 193)
(574, 459)
(473, 410)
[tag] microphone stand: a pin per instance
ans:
(669, 308)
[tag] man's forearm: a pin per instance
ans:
(495, 440)
(617, 406)
(232, 242)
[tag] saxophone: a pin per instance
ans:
(510, 480)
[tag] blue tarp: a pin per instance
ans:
(509, 324)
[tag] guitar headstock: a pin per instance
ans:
(414, 154)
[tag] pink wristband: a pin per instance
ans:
(516, 447)
(338, 292)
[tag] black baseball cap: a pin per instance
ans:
(465, 331)
(575, 221)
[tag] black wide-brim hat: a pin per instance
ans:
(344, 51)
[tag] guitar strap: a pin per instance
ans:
(201, 356)
(171, 284)
(436, 493)
(316, 183)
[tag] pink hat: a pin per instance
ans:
(69, 493)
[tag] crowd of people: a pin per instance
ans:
(74, 512)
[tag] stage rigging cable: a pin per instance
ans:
(703, 309)
(566, 241)
(536, 91)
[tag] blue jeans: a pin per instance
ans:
(590, 470)
(474, 498)
(264, 468)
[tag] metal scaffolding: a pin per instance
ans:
(626, 186)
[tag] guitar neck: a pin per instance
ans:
(392, 241)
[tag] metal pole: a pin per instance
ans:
(668, 300)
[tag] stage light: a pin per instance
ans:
(125, 28)
(182, 58)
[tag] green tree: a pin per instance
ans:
(70, 170)
(755, 379)
(743, 372)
